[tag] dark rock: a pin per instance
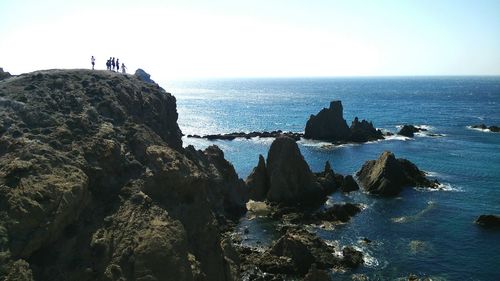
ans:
(316, 274)
(352, 257)
(489, 221)
(364, 131)
(327, 179)
(304, 249)
(339, 212)
(349, 184)
(388, 175)
(232, 136)
(480, 126)
(258, 181)
(4, 74)
(291, 181)
(494, 129)
(144, 76)
(329, 124)
(410, 130)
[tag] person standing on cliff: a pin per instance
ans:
(124, 69)
(113, 64)
(117, 65)
(92, 60)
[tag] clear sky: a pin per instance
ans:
(254, 38)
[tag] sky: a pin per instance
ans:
(173, 39)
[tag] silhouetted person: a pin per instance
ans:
(108, 64)
(113, 64)
(124, 68)
(92, 60)
(117, 65)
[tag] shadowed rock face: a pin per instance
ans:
(95, 184)
(489, 221)
(328, 124)
(4, 74)
(388, 175)
(286, 177)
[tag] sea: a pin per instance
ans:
(422, 232)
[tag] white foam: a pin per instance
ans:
(479, 129)
(322, 144)
(398, 137)
(441, 187)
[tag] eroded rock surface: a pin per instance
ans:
(387, 175)
(95, 184)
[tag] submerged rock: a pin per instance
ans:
(329, 124)
(410, 130)
(494, 129)
(387, 175)
(338, 212)
(489, 221)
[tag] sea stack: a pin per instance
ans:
(387, 175)
(329, 124)
(286, 178)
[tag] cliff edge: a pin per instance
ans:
(95, 183)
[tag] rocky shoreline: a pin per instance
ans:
(95, 184)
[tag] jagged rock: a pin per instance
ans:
(4, 74)
(19, 271)
(329, 124)
(349, 184)
(92, 165)
(258, 181)
(410, 130)
(339, 212)
(388, 175)
(364, 131)
(328, 179)
(290, 178)
(488, 221)
(304, 249)
(352, 257)
(316, 274)
(144, 76)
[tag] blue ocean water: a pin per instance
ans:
(428, 233)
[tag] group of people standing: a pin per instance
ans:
(111, 64)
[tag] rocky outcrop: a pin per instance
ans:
(144, 76)
(349, 184)
(489, 221)
(352, 257)
(258, 181)
(328, 179)
(287, 178)
(494, 129)
(232, 136)
(364, 131)
(328, 124)
(95, 183)
(338, 212)
(4, 74)
(410, 130)
(387, 175)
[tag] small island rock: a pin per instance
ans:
(387, 175)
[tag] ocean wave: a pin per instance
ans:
(441, 187)
(323, 144)
(397, 137)
(479, 129)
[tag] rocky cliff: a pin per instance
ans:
(95, 183)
